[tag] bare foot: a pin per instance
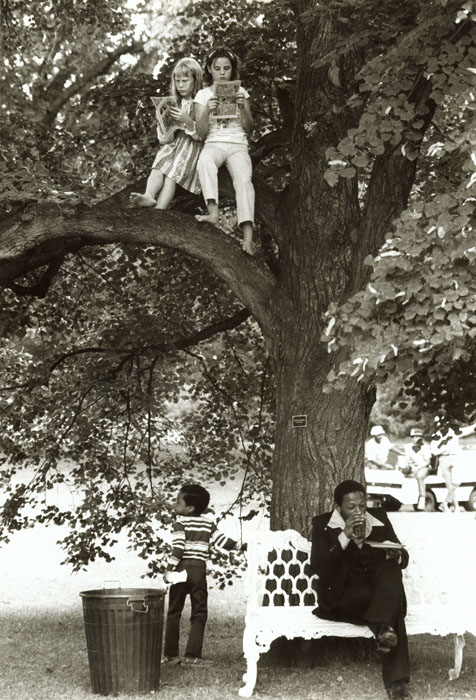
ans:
(141, 200)
(248, 247)
(210, 218)
(247, 244)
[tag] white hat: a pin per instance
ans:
(416, 432)
(377, 430)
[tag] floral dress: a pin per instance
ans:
(178, 159)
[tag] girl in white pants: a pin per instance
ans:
(226, 143)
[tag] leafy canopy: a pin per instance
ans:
(122, 339)
(135, 370)
(417, 314)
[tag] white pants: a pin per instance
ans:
(236, 158)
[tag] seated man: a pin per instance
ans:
(362, 584)
(417, 463)
(377, 449)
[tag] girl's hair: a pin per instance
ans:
(220, 52)
(187, 66)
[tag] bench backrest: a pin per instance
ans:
(289, 579)
(279, 573)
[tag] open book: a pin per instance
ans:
(166, 124)
(386, 544)
(226, 92)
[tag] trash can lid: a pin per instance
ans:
(123, 593)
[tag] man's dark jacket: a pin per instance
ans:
(331, 563)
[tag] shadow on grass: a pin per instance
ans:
(312, 653)
(44, 657)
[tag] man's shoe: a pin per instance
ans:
(196, 661)
(421, 503)
(399, 690)
(387, 639)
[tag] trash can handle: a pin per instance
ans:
(138, 599)
(112, 580)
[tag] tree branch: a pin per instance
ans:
(390, 184)
(268, 202)
(160, 348)
(269, 143)
(55, 95)
(39, 289)
(393, 175)
(51, 231)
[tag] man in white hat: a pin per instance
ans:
(417, 462)
(377, 449)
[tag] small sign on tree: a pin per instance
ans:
(299, 421)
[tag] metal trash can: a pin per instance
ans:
(123, 629)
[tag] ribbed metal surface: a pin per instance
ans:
(124, 642)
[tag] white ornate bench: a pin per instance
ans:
(280, 589)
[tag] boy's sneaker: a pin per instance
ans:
(399, 690)
(171, 660)
(196, 661)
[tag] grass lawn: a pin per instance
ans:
(43, 657)
(43, 652)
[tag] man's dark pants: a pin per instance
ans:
(196, 587)
(374, 596)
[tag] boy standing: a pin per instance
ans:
(192, 536)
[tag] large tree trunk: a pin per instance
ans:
(309, 460)
(317, 268)
(328, 231)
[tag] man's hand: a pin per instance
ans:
(393, 554)
(354, 520)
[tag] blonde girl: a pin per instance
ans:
(226, 143)
(176, 162)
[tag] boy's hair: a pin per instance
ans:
(346, 487)
(221, 52)
(196, 496)
(187, 66)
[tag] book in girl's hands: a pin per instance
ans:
(166, 124)
(226, 91)
(386, 544)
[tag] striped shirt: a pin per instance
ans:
(191, 539)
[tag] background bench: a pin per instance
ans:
(280, 587)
